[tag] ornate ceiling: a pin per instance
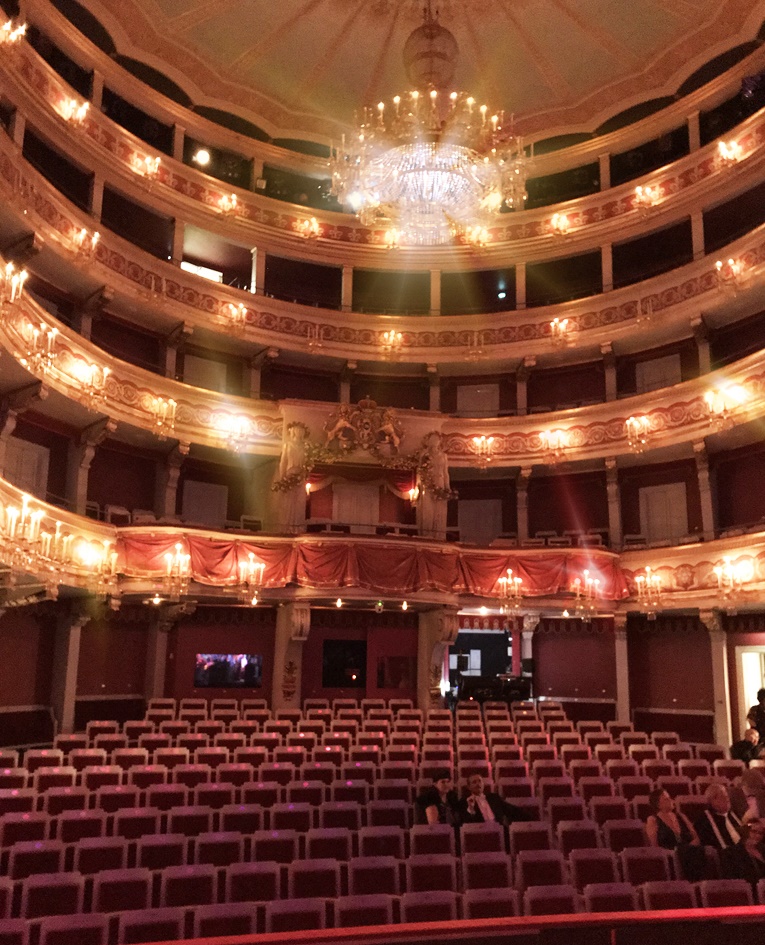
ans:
(301, 68)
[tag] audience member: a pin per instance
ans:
(672, 830)
(746, 860)
(718, 826)
(748, 748)
(756, 715)
(747, 795)
(440, 803)
(480, 806)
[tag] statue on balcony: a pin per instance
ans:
(434, 487)
(293, 470)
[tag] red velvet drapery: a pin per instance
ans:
(379, 565)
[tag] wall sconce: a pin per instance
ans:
(92, 380)
(251, 574)
(85, 242)
(227, 204)
(560, 224)
(474, 349)
(41, 348)
(100, 564)
(146, 166)
(559, 331)
(586, 591)
(73, 112)
(728, 153)
(510, 593)
(723, 403)
(649, 589)
(237, 433)
(175, 582)
(392, 238)
(730, 274)
(13, 283)
(732, 577)
(414, 495)
(638, 430)
(313, 334)
(163, 410)
(309, 229)
(237, 316)
(391, 343)
(647, 198)
(483, 447)
(11, 32)
(554, 443)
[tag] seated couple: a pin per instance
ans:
(442, 805)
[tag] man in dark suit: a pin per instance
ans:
(480, 806)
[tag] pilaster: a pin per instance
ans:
(718, 643)
(435, 291)
(293, 624)
(522, 502)
(66, 659)
(622, 668)
(609, 369)
(705, 489)
(79, 457)
(438, 628)
(165, 618)
(346, 289)
(520, 286)
(521, 384)
(11, 405)
(168, 473)
(614, 503)
(701, 337)
(607, 266)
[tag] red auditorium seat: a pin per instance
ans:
(382, 841)
(224, 919)
(43, 758)
(610, 897)
(189, 820)
(431, 838)
(114, 797)
(13, 778)
(155, 852)
(214, 794)
(389, 813)
(253, 882)
(58, 800)
(430, 906)
(595, 865)
(670, 894)
(81, 929)
(645, 864)
(18, 827)
(122, 890)
(74, 825)
(560, 809)
(577, 834)
(486, 837)
(352, 911)
(292, 817)
(35, 856)
(622, 833)
(165, 796)
(245, 818)
(490, 903)
(188, 885)
(221, 848)
(52, 894)
(14, 932)
(329, 843)
(319, 878)
(150, 925)
(558, 899)
(295, 915)
(280, 846)
(131, 823)
(721, 893)
(539, 868)
(533, 835)
(94, 854)
(368, 875)
(486, 871)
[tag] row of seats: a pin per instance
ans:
(292, 915)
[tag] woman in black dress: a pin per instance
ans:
(672, 830)
(440, 802)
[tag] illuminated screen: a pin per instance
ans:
(228, 671)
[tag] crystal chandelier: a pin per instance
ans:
(431, 165)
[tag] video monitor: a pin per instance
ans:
(228, 671)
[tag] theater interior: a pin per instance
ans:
(325, 466)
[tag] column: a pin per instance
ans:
(521, 379)
(607, 266)
(164, 618)
(517, 644)
(173, 342)
(258, 276)
(79, 457)
(345, 381)
(168, 472)
(176, 253)
(96, 90)
(522, 502)
(614, 503)
(11, 405)
(609, 369)
(604, 164)
(66, 659)
(622, 668)
(179, 136)
(437, 629)
(718, 642)
(293, 623)
(434, 389)
(520, 285)
(694, 131)
(705, 490)
(530, 624)
(90, 309)
(96, 196)
(16, 128)
(701, 337)
(435, 291)
(697, 234)
(346, 289)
